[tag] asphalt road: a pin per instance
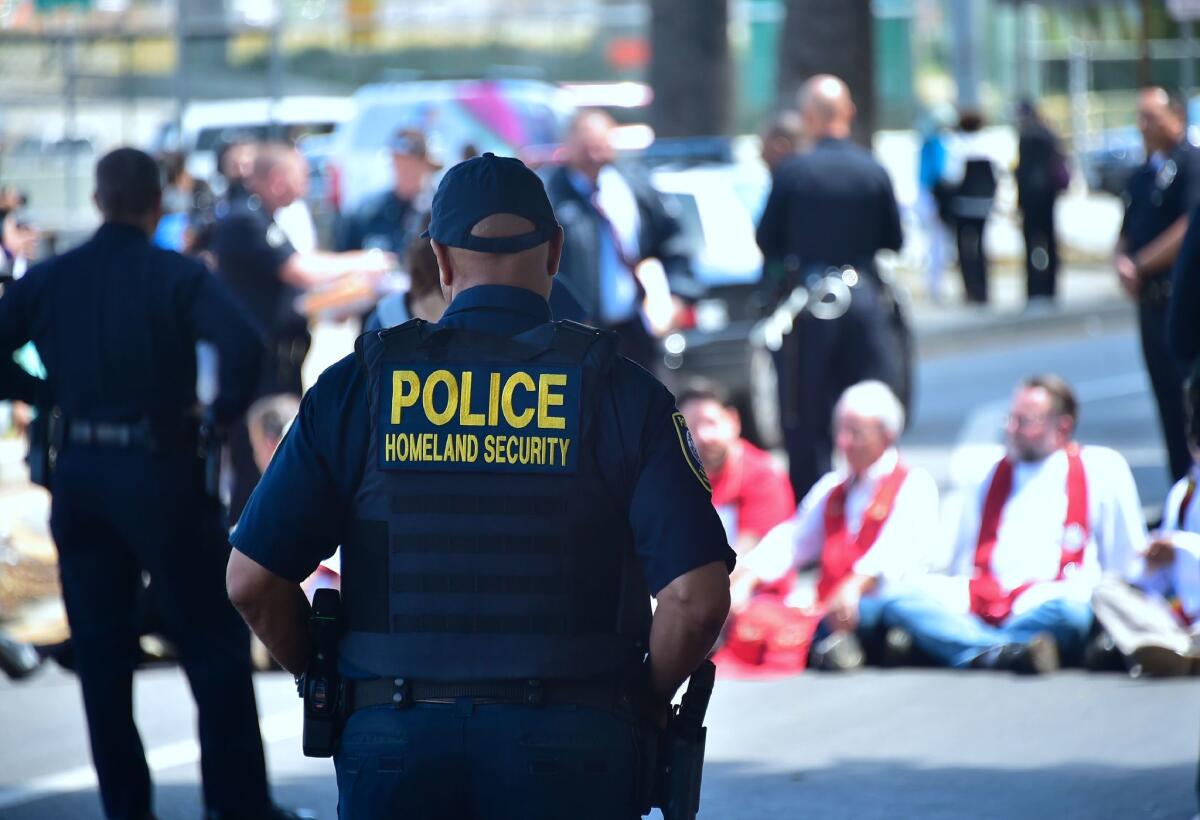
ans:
(876, 744)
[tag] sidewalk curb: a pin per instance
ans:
(971, 328)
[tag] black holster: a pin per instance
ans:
(45, 440)
(673, 758)
(321, 686)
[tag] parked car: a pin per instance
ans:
(505, 116)
(1114, 156)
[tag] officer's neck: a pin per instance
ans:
(146, 225)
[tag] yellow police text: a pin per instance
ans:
(445, 397)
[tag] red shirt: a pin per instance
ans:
(750, 493)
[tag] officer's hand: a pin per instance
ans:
(1160, 553)
(1127, 275)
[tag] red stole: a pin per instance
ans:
(841, 550)
(989, 600)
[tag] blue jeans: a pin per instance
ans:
(954, 639)
(460, 761)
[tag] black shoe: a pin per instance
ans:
(1161, 662)
(839, 652)
(1102, 655)
(18, 660)
(1037, 657)
(898, 647)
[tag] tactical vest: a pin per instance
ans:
(483, 547)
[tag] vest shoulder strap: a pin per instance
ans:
(579, 342)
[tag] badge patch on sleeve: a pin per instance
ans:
(480, 418)
(690, 454)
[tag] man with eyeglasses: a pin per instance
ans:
(1034, 539)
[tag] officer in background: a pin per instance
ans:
(267, 274)
(830, 206)
(1159, 197)
(391, 220)
(509, 493)
(116, 322)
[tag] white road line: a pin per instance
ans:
(274, 728)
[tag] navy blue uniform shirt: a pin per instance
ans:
(1183, 309)
(384, 221)
(830, 205)
(1159, 192)
(300, 512)
(116, 321)
(251, 250)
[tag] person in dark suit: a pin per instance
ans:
(1041, 176)
(1158, 199)
(116, 322)
(830, 206)
(614, 220)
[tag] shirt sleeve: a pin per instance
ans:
(16, 306)
(250, 244)
(1191, 194)
(299, 513)
(1120, 527)
(1183, 309)
(772, 223)
(675, 527)
(767, 497)
(892, 236)
(905, 541)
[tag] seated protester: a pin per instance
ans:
(1034, 539)
(422, 300)
(1154, 619)
(750, 492)
(865, 526)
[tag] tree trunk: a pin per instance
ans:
(689, 67)
(831, 37)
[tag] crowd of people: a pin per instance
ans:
(1050, 562)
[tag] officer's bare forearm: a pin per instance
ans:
(1161, 253)
(275, 609)
(691, 611)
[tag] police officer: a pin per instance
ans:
(391, 220)
(830, 206)
(508, 493)
(116, 322)
(267, 274)
(1158, 199)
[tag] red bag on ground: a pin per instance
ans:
(768, 639)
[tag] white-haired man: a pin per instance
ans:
(1034, 540)
(865, 525)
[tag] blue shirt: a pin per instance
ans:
(1159, 192)
(301, 509)
(116, 322)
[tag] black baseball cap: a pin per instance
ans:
(487, 185)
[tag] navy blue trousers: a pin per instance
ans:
(119, 513)
(487, 762)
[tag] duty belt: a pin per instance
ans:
(143, 434)
(402, 692)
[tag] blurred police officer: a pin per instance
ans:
(830, 206)
(116, 322)
(266, 273)
(391, 220)
(508, 493)
(1158, 199)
